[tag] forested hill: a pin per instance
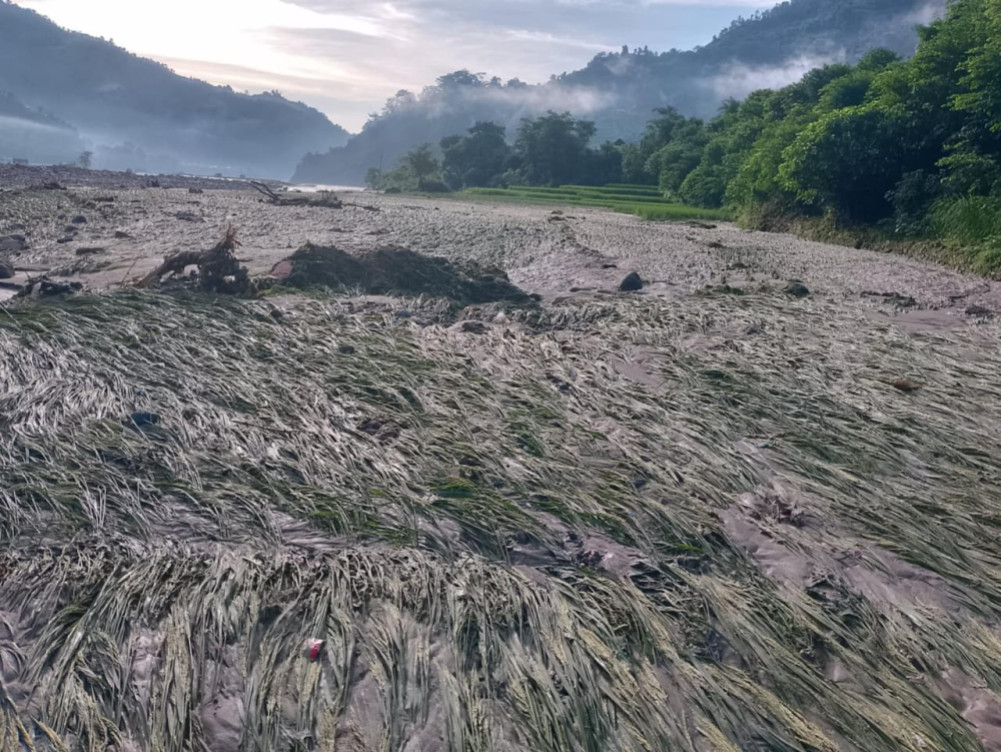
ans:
(619, 90)
(136, 113)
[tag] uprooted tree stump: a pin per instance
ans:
(218, 269)
(324, 200)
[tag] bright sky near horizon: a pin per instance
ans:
(346, 57)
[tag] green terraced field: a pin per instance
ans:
(642, 200)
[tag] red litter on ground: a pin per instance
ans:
(314, 649)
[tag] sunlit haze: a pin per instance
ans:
(346, 58)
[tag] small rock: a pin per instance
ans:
(609, 266)
(13, 243)
(71, 229)
(121, 235)
(384, 431)
(346, 350)
(893, 298)
(195, 190)
(904, 385)
(6, 269)
(474, 327)
(632, 283)
(723, 289)
(501, 318)
(186, 216)
(144, 419)
(403, 313)
(89, 251)
(79, 219)
(67, 239)
(371, 426)
(978, 310)
(796, 288)
(48, 288)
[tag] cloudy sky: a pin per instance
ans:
(346, 57)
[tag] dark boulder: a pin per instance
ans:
(632, 283)
(796, 289)
(13, 243)
(474, 327)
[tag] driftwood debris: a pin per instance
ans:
(218, 268)
(325, 200)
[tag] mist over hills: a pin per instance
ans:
(619, 90)
(136, 113)
(34, 134)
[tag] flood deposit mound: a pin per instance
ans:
(397, 271)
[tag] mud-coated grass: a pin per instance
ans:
(507, 541)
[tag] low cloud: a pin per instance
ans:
(737, 81)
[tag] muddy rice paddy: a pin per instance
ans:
(712, 515)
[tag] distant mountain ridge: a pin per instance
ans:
(137, 113)
(619, 90)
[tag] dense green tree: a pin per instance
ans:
(974, 162)
(641, 162)
(553, 149)
(603, 165)
(679, 156)
(849, 161)
(478, 159)
(422, 163)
